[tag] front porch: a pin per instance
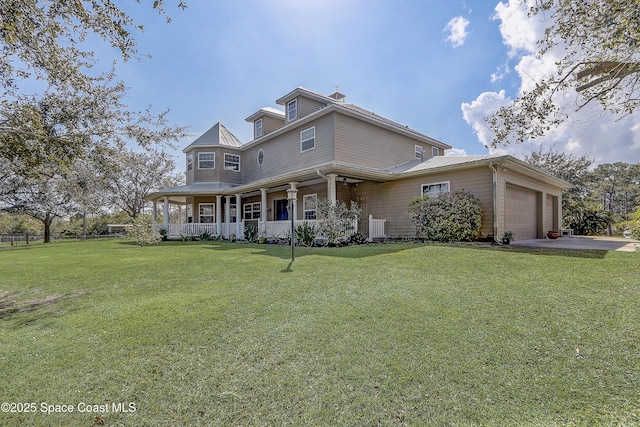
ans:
(267, 229)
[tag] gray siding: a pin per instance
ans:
(365, 144)
(389, 200)
(269, 124)
(282, 154)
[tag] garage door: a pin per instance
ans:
(521, 212)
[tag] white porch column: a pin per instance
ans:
(239, 217)
(218, 214)
(154, 214)
(180, 221)
(166, 214)
(227, 214)
(331, 187)
(263, 212)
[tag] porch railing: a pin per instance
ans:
(376, 228)
(267, 229)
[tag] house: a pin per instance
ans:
(325, 148)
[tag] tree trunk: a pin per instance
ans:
(47, 228)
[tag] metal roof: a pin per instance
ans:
(217, 135)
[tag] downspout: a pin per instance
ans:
(495, 203)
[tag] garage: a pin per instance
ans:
(521, 212)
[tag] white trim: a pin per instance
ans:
(304, 206)
(208, 160)
(231, 168)
(255, 207)
(257, 128)
(260, 162)
(418, 152)
(293, 102)
(433, 184)
(213, 213)
(302, 141)
(189, 162)
(435, 151)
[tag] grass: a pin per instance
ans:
(225, 334)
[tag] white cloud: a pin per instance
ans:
(452, 152)
(457, 29)
(589, 131)
(500, 73)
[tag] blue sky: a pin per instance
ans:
(436, 66)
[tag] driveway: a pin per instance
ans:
(583, 242)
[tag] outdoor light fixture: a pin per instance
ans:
(292, 196)
(344, 181)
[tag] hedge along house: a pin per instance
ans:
(325, 148)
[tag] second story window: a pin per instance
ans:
(418, 152)
(308, 139)
(258, 128)
(206, 160)
(435, 151)
(292, 110)
(189, 162)
(231, 162)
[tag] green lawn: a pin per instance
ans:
(218, 334)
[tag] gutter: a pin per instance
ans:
(494, 173)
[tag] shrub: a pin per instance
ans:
(450, 217)
(251, 233)
(144, 232)
(335, 221)
(305, 234)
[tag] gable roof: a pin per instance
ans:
(266, 111)
(216, 136)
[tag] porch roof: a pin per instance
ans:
(180, 193)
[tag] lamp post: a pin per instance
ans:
(292, 196)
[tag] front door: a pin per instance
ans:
(281, 210)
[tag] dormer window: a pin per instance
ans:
(418, 152)
(435, 151)
(292, 110)
(257, 126)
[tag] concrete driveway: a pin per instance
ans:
(583, 242)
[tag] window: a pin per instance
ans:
(257, 127)
(189, 162)
(292, 110)
(435, 151)
(419, 152)
(309, 203)
(231, 162)
(252, 211)
(207, 212)
(308, 139)
(261, 157)
(434, 190)
(206, 160)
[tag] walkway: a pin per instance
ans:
(583, 242)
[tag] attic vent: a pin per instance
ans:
(340, 97)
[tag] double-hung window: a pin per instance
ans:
(189, 162)
(418, 152)
(252, 210)
(435, 151)
(207, 213)
(206, 160)
(435, 189)
(231, 162)
(258, 128)
(308, 139)
(292, 110)
(310, 204)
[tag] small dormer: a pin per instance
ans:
(301, 102)
(265, 121)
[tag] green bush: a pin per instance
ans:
(632, 225)
(450, 217)
(251, 233)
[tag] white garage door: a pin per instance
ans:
(521, 212)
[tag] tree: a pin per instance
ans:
(75, 107)
(43, 196)
(601, 63)
(134, 175)
(617, 187)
